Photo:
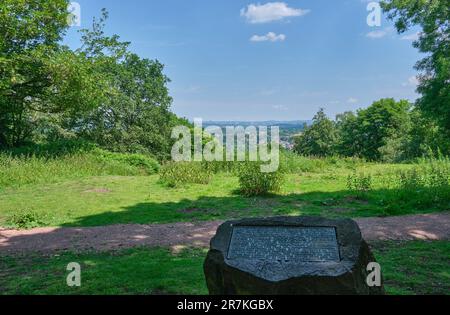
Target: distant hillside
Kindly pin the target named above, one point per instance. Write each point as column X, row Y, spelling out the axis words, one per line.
column 288, row 129
column 279, row 123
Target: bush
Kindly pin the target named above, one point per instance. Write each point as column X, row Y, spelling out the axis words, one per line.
column 428, row 182
column 427, row 174
column 253, row 182
column 424, row 185
column 219, row 166
column 360, row 184
column 25, row 220
column 176, row 174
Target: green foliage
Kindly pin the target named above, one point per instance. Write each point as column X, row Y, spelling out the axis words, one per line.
column 101, row 92
column 294, row 163
column 348, row 144
column 360, row 184
column 426, row 138
column 135, row 117
column 387, row 131
column 318, row 139
column 383, row 120
column 253, row 182
column 53, row 149
column 176, row 174
column 376, row 133
column 433, row 17
column 220, row 166
column 38, row 77
column 143, row 162
column 393, row 151
column 25, row 25
column 428, row 182
column 25, row 220
column 125, row 199
column 53, row 164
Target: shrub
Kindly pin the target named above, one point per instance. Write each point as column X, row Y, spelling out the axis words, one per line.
column 176, row 174
column 431, row 173
column 219, row 166
column 360, row 184
column 25, row 220
column 253, row 182
column 428, row 183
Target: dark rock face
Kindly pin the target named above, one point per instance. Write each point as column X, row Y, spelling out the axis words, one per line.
column 298, row 258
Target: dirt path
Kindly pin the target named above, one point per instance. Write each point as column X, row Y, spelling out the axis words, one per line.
column 180, row 235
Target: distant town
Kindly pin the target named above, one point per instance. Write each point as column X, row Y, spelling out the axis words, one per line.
column 288, row 129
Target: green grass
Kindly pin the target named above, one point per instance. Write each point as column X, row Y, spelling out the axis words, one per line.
column 93, row 187
column 23, row 170
column 409, row 268
column 135, row 271
column 415, row 267
column 105, row 200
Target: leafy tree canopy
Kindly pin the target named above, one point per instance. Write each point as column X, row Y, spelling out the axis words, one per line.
column 433, row 16
column 319, row 139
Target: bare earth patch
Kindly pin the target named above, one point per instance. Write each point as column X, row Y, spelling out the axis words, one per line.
column 181, row 235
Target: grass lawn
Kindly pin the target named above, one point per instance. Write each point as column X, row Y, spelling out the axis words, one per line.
column 409, row 268
column 105, row 200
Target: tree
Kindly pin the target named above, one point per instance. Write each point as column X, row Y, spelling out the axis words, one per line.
column 39, row 77
column 29, row 24
column 348, row 143
column 383, row 120
column 426, row 137
column 433, row 17
column 319, row 139
column 30, row 31
column 135, row 116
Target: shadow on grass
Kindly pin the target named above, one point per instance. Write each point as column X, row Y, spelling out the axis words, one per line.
column 338, row 204
column 193, row 222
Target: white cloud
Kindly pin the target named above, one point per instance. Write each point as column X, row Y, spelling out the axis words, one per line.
column 412, row 81
column 379, row 33
column 352, row 100
column 414, row 36
column 280, row 107
column 271, row 36
column 272, row 11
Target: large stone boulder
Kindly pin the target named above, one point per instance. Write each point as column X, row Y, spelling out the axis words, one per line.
column 289, row 255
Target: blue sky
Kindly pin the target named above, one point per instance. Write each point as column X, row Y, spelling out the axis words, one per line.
column 263, row 60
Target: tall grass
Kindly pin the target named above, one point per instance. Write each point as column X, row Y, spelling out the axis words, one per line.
column 176, row 174
column 295, row 163
column 22, row 170
column 428, row 182
column 423, row 185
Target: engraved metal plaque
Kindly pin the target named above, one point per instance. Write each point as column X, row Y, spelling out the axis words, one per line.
column 285, row 244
